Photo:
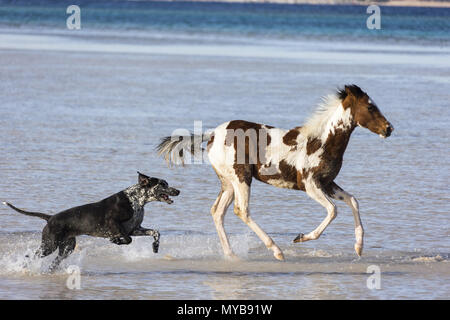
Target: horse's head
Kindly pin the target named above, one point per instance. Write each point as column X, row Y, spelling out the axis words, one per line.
column 364, row 111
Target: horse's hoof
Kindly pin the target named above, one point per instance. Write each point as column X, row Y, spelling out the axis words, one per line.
column 279, row 256
column 232, row 257
column 299, row 238
column 358, row 249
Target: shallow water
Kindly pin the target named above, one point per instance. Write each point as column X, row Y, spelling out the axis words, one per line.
column 80, row 114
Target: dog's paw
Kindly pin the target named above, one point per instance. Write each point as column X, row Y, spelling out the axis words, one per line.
column 115, row 240
column 155, row 246
column 121, row 240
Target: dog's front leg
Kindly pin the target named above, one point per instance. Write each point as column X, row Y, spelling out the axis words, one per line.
column 118, row 236
column 119, row 240
column 148, row 232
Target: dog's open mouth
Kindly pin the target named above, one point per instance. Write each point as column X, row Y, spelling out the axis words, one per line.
column 164, row 197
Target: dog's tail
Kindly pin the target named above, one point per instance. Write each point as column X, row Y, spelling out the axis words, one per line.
column 33, row 214
column 173, row 148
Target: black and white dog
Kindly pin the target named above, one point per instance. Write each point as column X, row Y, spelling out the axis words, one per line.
column 117, row 217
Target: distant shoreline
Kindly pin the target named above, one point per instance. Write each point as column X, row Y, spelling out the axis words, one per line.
column 390, row 3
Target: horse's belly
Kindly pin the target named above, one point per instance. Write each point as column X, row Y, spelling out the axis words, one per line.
column 284, row 176
column 280, row 183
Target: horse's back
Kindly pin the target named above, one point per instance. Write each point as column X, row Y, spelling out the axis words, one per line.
column 262, row 151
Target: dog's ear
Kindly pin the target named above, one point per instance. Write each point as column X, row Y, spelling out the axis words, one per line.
column 143, row 179
column 146, row 180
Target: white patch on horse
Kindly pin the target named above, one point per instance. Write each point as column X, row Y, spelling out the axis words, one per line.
column 220, row 154
column 340, row 119
column 281, row 183
column 327, row 118
column 275, row 152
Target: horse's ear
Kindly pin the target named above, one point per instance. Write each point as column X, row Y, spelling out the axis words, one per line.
column 348, row 90
column 342, row 94
column 354, row 91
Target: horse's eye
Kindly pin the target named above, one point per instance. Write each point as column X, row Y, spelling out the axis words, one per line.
column 371, row 107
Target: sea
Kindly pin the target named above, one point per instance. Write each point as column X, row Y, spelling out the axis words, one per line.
column 82, row 110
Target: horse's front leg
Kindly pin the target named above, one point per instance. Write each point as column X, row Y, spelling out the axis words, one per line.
column 314, row 190
column 338, row 193
column 140, row 231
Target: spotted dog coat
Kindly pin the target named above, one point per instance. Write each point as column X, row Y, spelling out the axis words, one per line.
column 117, row 217
column 306, row 158
column 137, row 197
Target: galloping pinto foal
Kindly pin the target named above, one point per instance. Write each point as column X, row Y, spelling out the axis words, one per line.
column 306, row 158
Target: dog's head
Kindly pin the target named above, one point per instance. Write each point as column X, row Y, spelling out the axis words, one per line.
column 156, row 189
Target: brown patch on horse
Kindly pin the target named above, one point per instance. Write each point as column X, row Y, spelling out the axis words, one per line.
column 288, row 173
column 332, row 188
column 244, row 172
column 332, row 156
column 268, row 138
column 210, row 143
column 313, row 145
column 253, row 154
column 246, row 125
column 290, row 138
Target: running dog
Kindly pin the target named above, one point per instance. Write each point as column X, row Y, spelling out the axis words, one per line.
column 117, row 217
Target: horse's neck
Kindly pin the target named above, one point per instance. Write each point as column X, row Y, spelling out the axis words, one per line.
column 333, row 132
column 336, row 143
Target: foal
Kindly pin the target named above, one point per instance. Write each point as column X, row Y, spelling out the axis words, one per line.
column 306, row 158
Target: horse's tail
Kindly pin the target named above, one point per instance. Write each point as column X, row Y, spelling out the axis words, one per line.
column 173, row 148
column 33, row 214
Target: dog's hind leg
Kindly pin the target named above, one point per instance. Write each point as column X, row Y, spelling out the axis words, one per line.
column 66, row 247
column 47, row 247
column 140, row 231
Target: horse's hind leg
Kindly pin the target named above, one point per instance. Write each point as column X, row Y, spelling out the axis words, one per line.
column 218, row 211
column 338, row 193
column 241, row 209
column 317, row 193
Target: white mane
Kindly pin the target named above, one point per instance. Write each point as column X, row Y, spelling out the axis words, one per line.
column 316, row 124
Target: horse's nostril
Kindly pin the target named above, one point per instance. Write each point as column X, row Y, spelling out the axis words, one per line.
column 389, row 129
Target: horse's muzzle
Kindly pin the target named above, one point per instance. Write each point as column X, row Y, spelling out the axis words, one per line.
column 388, row 130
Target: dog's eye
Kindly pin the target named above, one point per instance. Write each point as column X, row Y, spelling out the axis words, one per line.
column 371, row 107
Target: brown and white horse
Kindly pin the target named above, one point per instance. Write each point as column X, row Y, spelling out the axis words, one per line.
column 306, row 158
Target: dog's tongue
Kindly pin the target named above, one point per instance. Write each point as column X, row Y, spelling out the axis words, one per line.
column 167, row 199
